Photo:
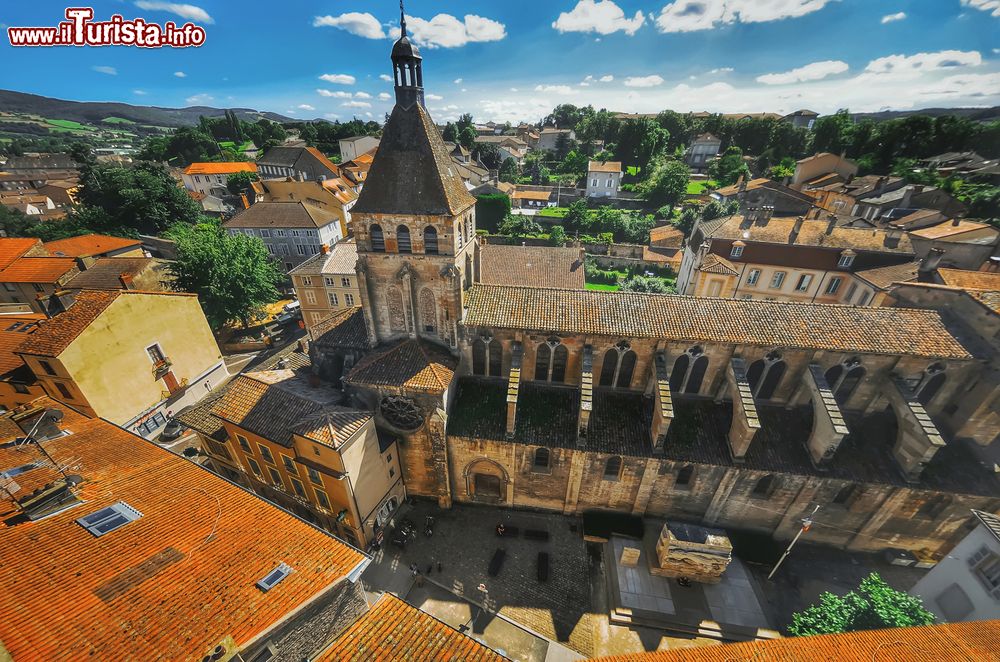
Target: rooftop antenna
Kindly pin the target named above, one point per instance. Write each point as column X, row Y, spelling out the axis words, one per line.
column 402, row 21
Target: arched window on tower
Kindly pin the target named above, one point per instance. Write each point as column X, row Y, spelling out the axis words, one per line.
column 397, row 313
column 430, row 240
column 403, row 243
column 378, row 238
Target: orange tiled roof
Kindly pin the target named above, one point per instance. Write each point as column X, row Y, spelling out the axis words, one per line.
column 55, row 335
column 13, row 330
column 407, row 365
column 694, row 319
column 38, row 270
column 813, row 232
column 393, row 630
column 883, row 277
column 226, row 168
column 170, row 585
column 12, row 248
column 951, row 229
column 970, row 280
column 89, row 245
column 716, row 264
column 666, row 236
column 977, row 641
column 514, row 265
column 604, row 166
column 321, row 157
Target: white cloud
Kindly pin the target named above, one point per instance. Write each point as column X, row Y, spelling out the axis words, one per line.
column 722, row 70
column 447, row 31
column 140, row 93
column 607, row 79
column 813, row 71
column 305, row 106
column 992, row 6
column 918, row 63
column 586, row 81
column 384, row 96
column 891, row 18
column 363, row 25
column 369, row 115
column 102, row 69
column 338, row 79
column 464, row 90
column 600, row 16
column 199, row 99
column 513, row 89
column 180, row 74
column 356, row 104
column 362, row 95
column 331, row 116
column 458, row 81
column 335, row 95
column 554, row 89
column 435, row 97
column 386, row 77
column 643, row 81
column 692, row 15
column 190, row 12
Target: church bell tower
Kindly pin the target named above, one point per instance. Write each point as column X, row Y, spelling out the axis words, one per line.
column 414, row 221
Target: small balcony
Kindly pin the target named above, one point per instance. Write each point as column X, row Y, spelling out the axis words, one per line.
column 161, row 367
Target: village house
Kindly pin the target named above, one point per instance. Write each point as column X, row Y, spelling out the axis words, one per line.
column 212, row 178
column 18, row 385
column 302, row 163
column 802, row 119
column 130, row 357
column 148, row 274
column 352, row 148
column 963, row 244
column 603, row 179
column 31, row 279
column 30, row 203
column 753, row 255
column 839, row 195
column 549, row 138
column 703, row 149
column 327, row 282
column 138, row 515
column 904, row 200
column 822, row 165
column 333, row 195
column 511, row 147
column 88, row 248
column 292, row 231
column 61, row 192
column 356, row 170
column 729, row 412
column 764, row 192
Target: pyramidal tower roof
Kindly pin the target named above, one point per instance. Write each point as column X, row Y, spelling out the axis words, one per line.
column 412, row 172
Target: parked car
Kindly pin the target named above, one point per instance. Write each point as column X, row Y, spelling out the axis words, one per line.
column 172, row 430
column 292, row 307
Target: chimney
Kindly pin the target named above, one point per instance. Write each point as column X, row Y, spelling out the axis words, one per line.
column 324, row 248
column 929, row 264
column 765, row 214
column 127, row 280
column 244, row 201
column 796, row 229
column 880, row 185
column 41, row 425
column 831, row 223
column 955, row 222
column 749, row 217
column 850, row 178
column 583, row 255
column 741, row 184
column 907, row 196
column 59, row 302
column 892, row 237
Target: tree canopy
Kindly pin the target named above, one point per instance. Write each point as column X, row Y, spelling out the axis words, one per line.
column 873, row 605
column 666, row 183
column 234, row 276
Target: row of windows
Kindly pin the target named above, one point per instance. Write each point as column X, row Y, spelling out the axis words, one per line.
column 275, row 477
column 404, row 243
column 805, row 280
column 267, row 234
column 300, row 249
column 329, row 281
column 844, row 261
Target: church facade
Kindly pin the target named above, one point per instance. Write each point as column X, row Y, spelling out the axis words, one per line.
column 733, row 413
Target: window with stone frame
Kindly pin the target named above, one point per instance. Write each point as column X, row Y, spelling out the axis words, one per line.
column 428, row 311
column 985, row 566
column 550, row 361
column 931, row 382
column 403, row 242
column 843, row 379
column 397, row 314
column 685, row 477
column 689, row 371
column 613, row 468
column 618, row 366
column 541, row 459
column 377, row 238
column 430, row 240
column 764, row 375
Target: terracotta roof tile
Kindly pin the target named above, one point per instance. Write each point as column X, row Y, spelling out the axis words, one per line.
column 970, row 280
column 38, row 270
column 950, row 229
column 170, row 585
column 764, row 182
column 13, row 248
column 283, row 215
column 666, row 236
column 393, row 630
column 14, row 329
column 106, row 272
column 407, row 365
column 343, row 329
column 55, row 335
column 90, row 245
column 737, row 321
column 604, row 166
column 548, row 265
column 226, row 168
column 977, row 641
column 883, row 277
column 340, row 260
column 716, row 264
column 332, row 426
column 814, row 232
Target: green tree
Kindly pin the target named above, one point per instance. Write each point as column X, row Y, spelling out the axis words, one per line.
column 785, row 168
column 467, row 137
column 557, row 235
column 574, row 163
column 491, row 210
column 833, row 133
column 687, row 220
column 233, row 275
column 187, row 145
column 666, row 183
column 450, row 133
column 509, row 171
column 874, row 605
column 639, row 141
column 729, row 168
column 81, row 153
column 488, row 154
column 519, row 225
column 578, row 217
column 142, row 198
column 564, row 116
column 646, row 284
column 238, row 182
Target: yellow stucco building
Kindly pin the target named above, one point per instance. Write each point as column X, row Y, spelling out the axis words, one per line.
column 130, row 357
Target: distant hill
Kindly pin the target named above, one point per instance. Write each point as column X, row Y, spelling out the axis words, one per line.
column 94, row 111
column 976, row 114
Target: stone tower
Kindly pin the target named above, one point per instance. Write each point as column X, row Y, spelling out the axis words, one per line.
column 414, row 221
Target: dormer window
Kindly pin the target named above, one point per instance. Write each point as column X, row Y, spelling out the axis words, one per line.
column 846, row 259
column 737, row 249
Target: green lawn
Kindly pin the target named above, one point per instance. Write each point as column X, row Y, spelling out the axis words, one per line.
column 601, row 288
column 554, row 212
column 632, row 170
column 68, row 124
column 117, row 120
column 695, row 188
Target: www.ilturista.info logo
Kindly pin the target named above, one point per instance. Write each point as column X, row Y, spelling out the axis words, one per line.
column 79, row 29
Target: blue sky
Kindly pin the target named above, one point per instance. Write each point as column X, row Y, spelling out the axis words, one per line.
column 514, row 60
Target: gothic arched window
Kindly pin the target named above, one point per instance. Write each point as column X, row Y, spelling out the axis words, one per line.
column 679, row 372
column 559, row 357
column 765, row 374
column 430, row 240
column 543, row 356
column 378, row 238
column 550, row 361
column 428, row 311
column 496, row 357
column 696, row 375
column 478, row 357
column 764, row 487
column 844, row 378
column 403, row 243
column 608, row 367
column 618, row 366
column 625, row 369
column 931, row 383
column 541, row 460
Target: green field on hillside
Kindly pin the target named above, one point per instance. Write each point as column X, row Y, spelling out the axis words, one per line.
column 117, row 120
